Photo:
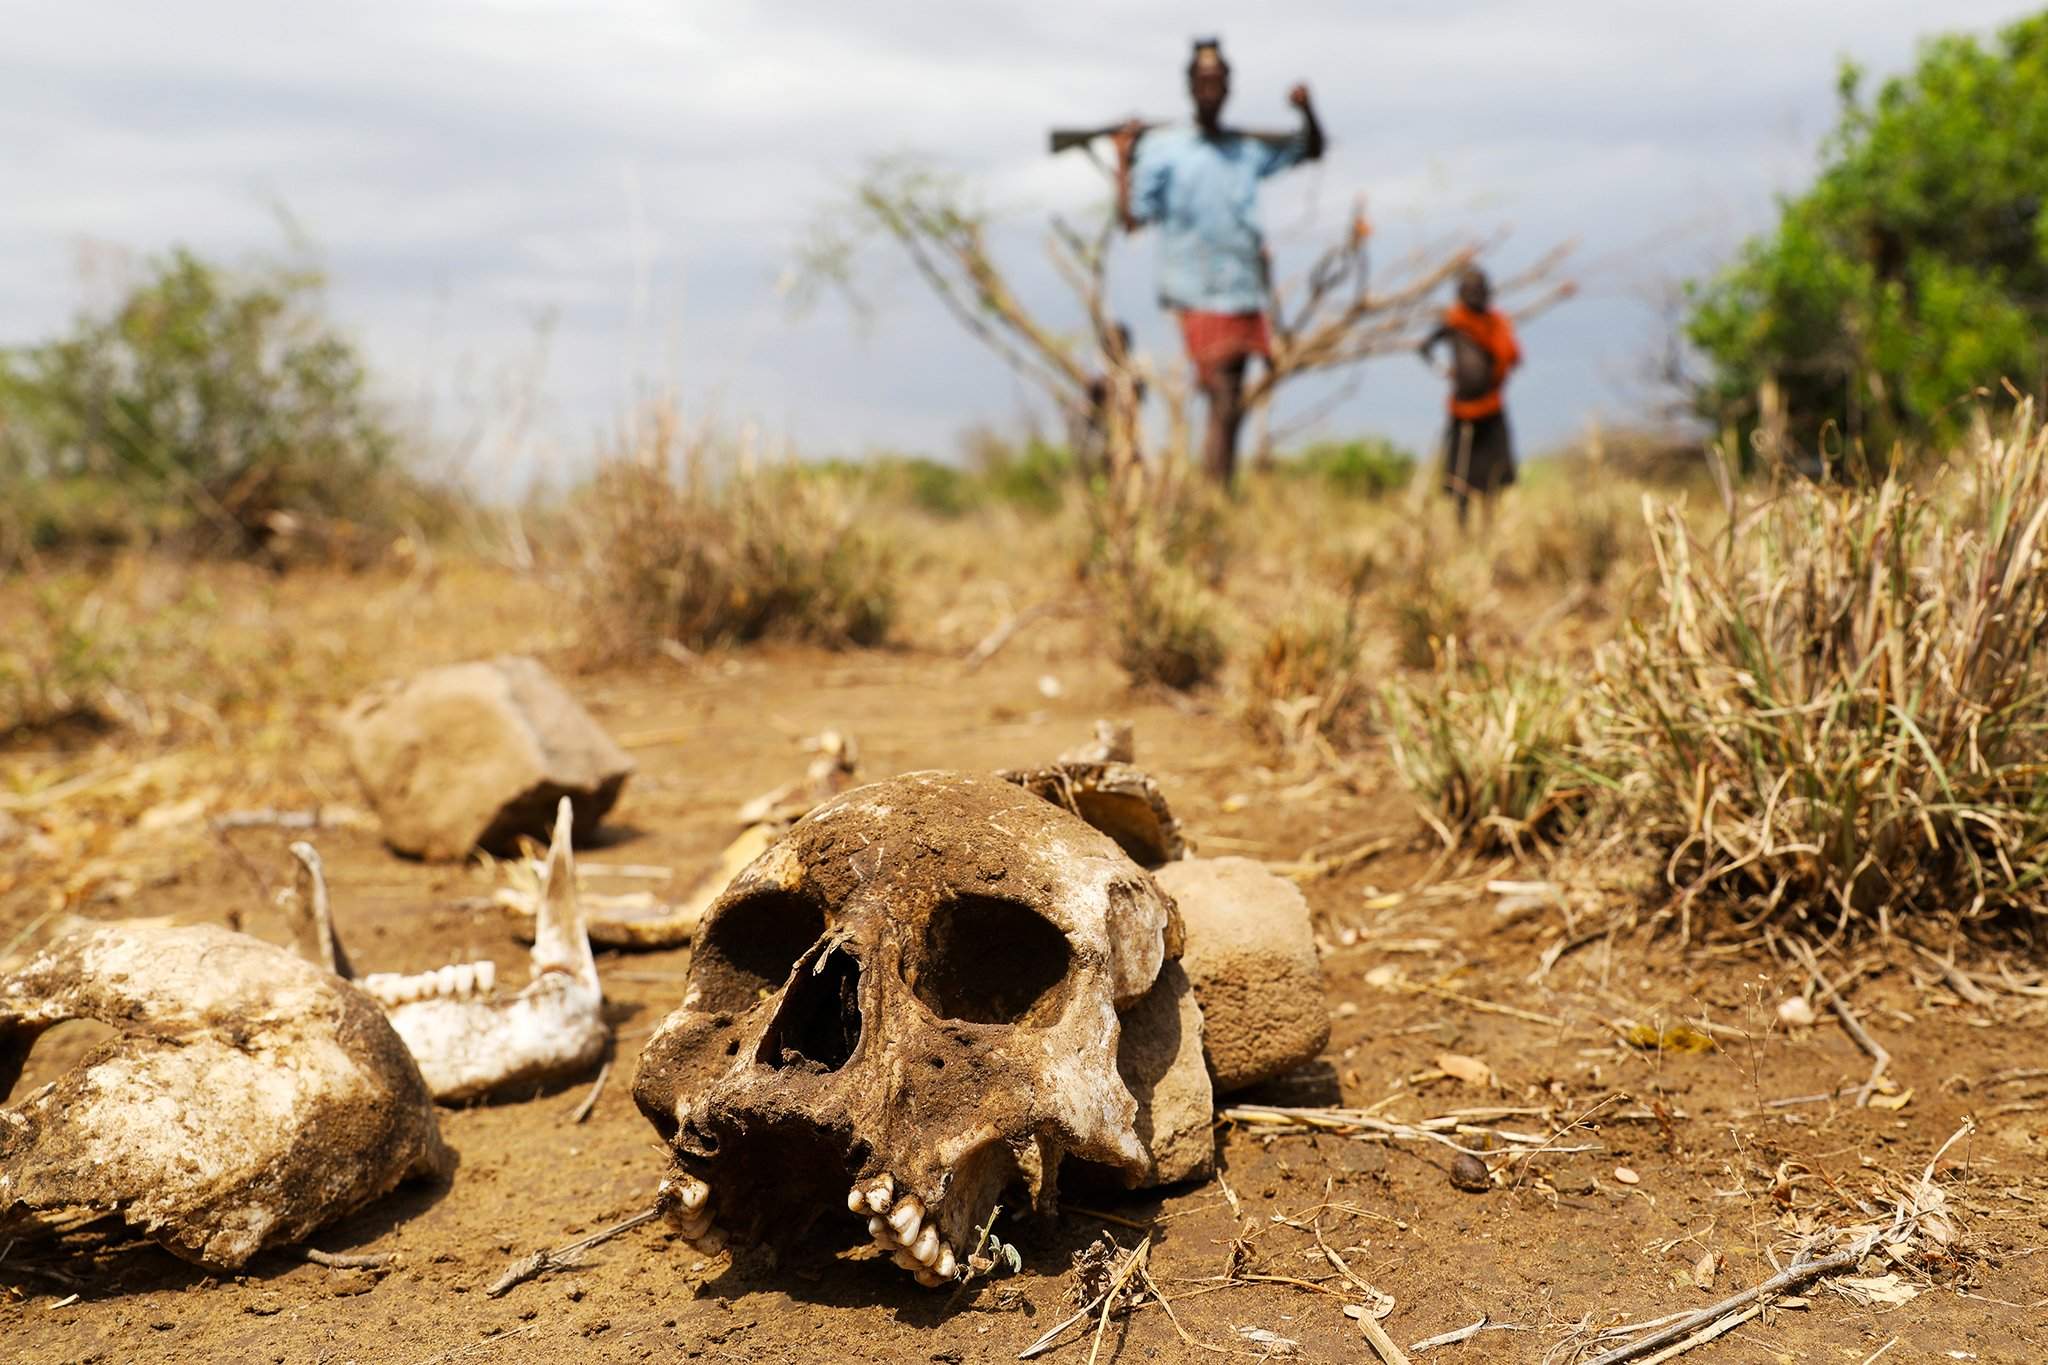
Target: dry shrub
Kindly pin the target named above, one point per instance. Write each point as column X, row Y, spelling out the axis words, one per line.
column 1309, row 677
column 1493, row 756
column 1163, row 619
column 673, row 550
column 1840, row 711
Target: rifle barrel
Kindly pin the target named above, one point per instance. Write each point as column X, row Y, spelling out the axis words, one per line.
column 1066, row 139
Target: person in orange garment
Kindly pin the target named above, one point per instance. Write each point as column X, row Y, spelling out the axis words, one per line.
column 1479, row 454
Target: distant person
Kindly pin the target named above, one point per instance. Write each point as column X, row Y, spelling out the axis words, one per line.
column 1200, row 186
column 1479, row 456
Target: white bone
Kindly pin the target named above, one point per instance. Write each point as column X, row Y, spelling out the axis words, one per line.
column 946, row 1266
column 926, row 1247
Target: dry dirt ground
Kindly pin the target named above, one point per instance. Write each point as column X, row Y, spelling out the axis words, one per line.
column 1736, row 1152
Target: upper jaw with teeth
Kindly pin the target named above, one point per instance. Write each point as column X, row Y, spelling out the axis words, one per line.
column 904, row 1008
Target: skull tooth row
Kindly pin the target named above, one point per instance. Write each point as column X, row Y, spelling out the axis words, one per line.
column 687, row 1204
column 899, row 1227
column 456, row 981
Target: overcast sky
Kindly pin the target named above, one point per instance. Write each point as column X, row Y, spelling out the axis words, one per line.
column 536, row 203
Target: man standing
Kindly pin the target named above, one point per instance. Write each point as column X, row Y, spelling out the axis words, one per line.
column 1200, row 186
column 1479, row 457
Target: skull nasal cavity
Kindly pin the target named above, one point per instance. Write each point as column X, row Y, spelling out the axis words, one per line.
column 818, row 1024
column 745, row 953
column 990, row 961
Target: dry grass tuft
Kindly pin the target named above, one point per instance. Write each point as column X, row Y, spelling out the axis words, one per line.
column 673, row 549
column 1493, row 756
column 1310, row 678
column 1840, row 711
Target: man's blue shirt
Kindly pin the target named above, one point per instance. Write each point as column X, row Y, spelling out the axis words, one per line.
column 1203, row 194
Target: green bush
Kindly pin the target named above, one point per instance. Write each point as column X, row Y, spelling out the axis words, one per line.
column 1912, row 272
column 1367, row 468
column 207, row 399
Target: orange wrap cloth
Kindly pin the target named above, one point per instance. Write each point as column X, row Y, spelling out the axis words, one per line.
column 1217, row 339
column 1495, row 335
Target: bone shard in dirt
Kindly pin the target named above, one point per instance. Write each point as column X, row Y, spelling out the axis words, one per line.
column 247, row 1098
column 904, row 1008
column 471, row 1040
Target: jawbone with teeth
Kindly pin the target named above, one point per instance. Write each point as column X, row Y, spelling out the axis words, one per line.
column 472, row 1041
column 903, row 1009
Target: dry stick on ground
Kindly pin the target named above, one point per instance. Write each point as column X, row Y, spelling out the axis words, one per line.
column 562, row 1257
column 1796, row 1274
column 1831, row 994
column 334, row 1260
column 1376, row 1337
column 1473, row 1002
column 992, row 643
column 582, row 1111
column 1359, row 1123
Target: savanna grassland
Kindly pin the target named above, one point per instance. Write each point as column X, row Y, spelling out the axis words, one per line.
column 1635, row 829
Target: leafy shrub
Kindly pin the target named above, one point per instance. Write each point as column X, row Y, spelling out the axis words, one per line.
column 673, row 550
column 937, row 489
column 1033, row 477
column 208, row 400
column 1367, row 468
column 1913, row 271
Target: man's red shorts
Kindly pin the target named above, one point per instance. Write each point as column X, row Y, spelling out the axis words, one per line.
column 1215, row 340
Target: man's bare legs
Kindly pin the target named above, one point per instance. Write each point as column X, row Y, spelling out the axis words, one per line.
column 1225, row 393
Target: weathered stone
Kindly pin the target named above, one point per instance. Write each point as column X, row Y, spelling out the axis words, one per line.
column 1159, row 1055
column 478, row 754
column 1251, row 954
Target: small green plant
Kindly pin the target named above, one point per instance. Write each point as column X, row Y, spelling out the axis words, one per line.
column 1493, row 756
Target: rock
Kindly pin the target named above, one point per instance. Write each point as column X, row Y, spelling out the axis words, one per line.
column 477, row 754
column 1251, row 955
column 1160, row 1059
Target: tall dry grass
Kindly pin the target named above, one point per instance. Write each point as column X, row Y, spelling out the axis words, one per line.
column 678, row 542
column 1837, row 710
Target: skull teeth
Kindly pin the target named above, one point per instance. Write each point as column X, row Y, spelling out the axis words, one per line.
column 687, row 1202
column 457, row 981
column 911, row 1239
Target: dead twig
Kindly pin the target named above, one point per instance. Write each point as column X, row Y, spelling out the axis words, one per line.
column 1798, row 1273
column 1377, row 1338
column 339, row 1260
column 562, row 1257
column 992, row 643
column 1473, row 1002
column 1105, row 1301
column 582, row 1111
column 1831, row 993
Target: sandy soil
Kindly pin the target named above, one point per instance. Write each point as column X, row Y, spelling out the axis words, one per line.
column 1728, row 1175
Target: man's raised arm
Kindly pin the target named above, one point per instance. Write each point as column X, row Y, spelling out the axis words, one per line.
column 1311, row 130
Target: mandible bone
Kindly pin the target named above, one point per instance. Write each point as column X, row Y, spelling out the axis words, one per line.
column 904, row 1007
column 471, row 1040
column 249, row 1097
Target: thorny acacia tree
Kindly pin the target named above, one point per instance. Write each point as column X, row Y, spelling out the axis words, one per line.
column 1333, row 318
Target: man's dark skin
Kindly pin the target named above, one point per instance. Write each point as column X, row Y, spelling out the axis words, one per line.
column 1209, row 87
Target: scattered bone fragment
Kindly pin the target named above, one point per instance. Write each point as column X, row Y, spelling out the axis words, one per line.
column 248, row 1098
column 1114, row 741
column 470, row 1039
column 636, row 920
column 1118, row 799
column 478, row 754
column 905, row 1008
column 830, row 773
column 1251, row 954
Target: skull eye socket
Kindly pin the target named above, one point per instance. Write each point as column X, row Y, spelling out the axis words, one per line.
column 991, row 961
column 748, row 948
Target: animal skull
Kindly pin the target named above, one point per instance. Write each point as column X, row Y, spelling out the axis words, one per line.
column 906, row 1005
column 249, row 1098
